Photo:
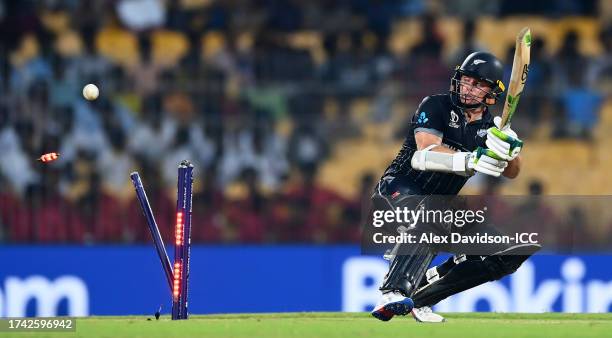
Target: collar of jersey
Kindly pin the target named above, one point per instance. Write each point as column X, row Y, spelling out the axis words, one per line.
column 486, row 117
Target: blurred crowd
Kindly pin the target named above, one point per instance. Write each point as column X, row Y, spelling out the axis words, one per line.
column 230, row 86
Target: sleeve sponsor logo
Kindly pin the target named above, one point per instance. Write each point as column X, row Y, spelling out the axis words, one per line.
column 422, row 118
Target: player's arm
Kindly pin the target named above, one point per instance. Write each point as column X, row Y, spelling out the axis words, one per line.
column 513, row 169
column 429, row 127
column 432, row 155
column 424, row 139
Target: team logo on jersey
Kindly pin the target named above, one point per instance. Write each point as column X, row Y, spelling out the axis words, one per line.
column 478, row 61
column 422, row 118
column 481, row 132
column 454, row 120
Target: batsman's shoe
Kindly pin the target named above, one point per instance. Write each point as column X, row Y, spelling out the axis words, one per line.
column 425, row 315
column 392, row 304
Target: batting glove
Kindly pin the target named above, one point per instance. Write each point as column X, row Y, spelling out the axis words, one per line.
column 503, row 141
column 486, row 161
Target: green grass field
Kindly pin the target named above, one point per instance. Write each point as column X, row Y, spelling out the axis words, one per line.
column 321, row 325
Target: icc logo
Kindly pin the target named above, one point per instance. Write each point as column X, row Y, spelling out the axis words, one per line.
column 454, row 119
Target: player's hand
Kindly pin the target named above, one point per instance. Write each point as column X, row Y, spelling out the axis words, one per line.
column 487, row 162
column 503, row 141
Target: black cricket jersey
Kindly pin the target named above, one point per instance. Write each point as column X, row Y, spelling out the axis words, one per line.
column 439, row 116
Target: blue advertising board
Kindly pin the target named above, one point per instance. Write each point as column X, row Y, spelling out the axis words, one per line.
column 120, row 280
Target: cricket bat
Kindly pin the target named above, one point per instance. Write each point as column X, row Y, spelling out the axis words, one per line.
column 520, row 68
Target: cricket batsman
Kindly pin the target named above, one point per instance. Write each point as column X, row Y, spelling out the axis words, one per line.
column 452, row 136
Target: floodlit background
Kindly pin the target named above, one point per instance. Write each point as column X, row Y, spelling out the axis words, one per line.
column 290, row 111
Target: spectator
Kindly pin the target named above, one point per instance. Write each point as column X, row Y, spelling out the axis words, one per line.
column 569, row 63
column 266, row 154
column 105, row 217
column 145, row 74
column 314, row 211
column 209, row 220
column 600, row 73
column 470, row 9
column 183, row 148
column 306, row 148
column 578, row 103
column 113, row 164
column 248, row 215
column 425, row 69
column 581, row 106
column 62, row 91
column 469, row 44
column 8, row 205
column 139, row 15
column 155, row 132
column 15, row 166
column 52, row 218
column 30, row 64
column 89, row 66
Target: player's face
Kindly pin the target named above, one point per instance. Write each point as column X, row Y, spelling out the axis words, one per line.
column 473, row 91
